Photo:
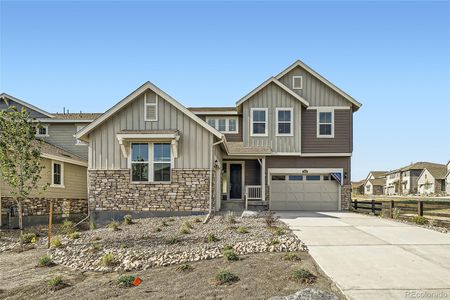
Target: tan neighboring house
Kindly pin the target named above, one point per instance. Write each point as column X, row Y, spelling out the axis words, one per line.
column 375, row 182
column 65, row 161
column 432, row 180
column 358, row 187
column 286, row 145
column 447, row 179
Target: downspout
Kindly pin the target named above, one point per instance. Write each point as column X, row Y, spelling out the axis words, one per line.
column 210, row 213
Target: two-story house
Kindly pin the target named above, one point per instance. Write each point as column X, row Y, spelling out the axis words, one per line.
column 375, row 182
column 65, row 166
column 432, row 180
column 286, row 145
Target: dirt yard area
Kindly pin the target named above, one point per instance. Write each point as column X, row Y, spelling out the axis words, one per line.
column 261, row 276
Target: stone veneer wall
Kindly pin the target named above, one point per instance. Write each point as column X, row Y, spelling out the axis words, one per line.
column 41, row 206
column 346, row 196
column 112, row 190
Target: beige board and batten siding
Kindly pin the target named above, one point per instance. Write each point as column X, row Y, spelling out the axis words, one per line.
column 272, row 97
column 75, row 183
column 62, row 135
column 313, row 90
column 342, row 142
column 193, row 147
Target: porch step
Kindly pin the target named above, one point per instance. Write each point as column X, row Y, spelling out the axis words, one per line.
column 232, row 206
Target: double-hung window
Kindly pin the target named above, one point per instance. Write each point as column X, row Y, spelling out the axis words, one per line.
column 151, row 162
column 57, row 174
column 284, row 121
column 258, row 121
column 151, row 107
column 42, row 130
column 325, row 123
column 224, row 125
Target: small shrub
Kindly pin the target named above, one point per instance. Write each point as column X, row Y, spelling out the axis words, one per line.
column 173, row 241
column 188, row 225
column 184, row 230
column 108, row 259
column 270, row 219
column 230, row 218
column 396, row 212
column 242, row 229
column 420, row 220
column 113, row 226
column 56, row 242
column 92, row 225
column 197, row 220
column 55, row 281
column 226, row 277
column 228, row 247
column 277, row 230
column 303, row 276
column 230, row 255
column 67, row 227
column 164, row 223
column 28, row 238
column 274, row 242
column 95, row 247
column 128, row 220
column 158, row 229
column 74, row 235
column 126, row 280
column 291, row 256
column 211, row 238
column 185, row 268
column 45, row 261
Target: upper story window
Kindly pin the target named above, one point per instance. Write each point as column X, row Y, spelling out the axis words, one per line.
column 151, row 162
column 224, row 125
column 151, row 108
column 368, row 188
column 258, row 121
column 284, row 121
column 297, row 82
column 325, row 123
column 42, row 131
column 57, row 174
column 80, row 142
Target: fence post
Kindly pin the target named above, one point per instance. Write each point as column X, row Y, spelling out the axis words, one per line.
column 50, row 222
column 391, row 209
column 373, row 206
column 420, row 208
column 356, row 204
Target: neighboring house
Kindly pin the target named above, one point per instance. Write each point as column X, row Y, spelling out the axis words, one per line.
column 287, row 145
column 374, row 183
column 65, row 161
column 447, row 179
column 358, row 187
column 404, row 181
column 432, row 180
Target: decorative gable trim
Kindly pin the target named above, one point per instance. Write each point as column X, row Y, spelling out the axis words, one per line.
column 278, row 83
column 82, row 135
column 301, row 64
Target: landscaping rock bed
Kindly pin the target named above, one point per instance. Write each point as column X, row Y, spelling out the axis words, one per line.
column 160, row 242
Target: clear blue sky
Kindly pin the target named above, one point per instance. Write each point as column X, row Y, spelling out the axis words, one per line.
column 392, row 57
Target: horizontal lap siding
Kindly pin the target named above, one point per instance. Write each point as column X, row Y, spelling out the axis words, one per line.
column 342, row 141
column 62, row 135
column 193, row 147
column 33, row 113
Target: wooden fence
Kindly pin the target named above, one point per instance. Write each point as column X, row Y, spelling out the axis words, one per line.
column 432, row 209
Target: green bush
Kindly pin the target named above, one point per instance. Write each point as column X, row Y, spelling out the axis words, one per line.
column 188, row 225
column 226, row 277
column 56, row 242
column 228, row 247
column 113, row 226
column 420, row 220
column 185, row 268
column 126, row 280
column 396, row 212
column 45, row 261
column 56, row 283
column 108, row 259
column 128, row 220
column 211, row 238
column 184, row 230
column 92, row 225
column 28, row 238
column 303, row 276
column 242, row 229
column 291, row 256
column 74, row 235
column 274, row 242
column 277, row 230
column 67, row 227
column 173, row 241
column 230, row 255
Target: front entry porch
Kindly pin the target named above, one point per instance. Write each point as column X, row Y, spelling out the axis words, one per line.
column 243, row 184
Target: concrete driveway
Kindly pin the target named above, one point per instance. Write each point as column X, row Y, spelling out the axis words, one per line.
column 373, row 258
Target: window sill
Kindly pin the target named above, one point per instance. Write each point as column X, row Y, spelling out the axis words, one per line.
column 325, row 136
column 259, row 135
column 288, row 135
column 57, row 186
column 151, row 183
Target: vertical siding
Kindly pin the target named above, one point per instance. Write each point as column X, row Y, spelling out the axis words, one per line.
column 342, row 141
column 314, row 91
column 193, row 147
column 271, row 97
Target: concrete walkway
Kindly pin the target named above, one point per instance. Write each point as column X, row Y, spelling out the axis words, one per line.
column 373, row 258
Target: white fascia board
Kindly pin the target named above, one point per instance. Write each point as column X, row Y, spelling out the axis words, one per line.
column 42, row 120
column 64, row 159
column 325, row 154
column 146, row 136
column 215, row 113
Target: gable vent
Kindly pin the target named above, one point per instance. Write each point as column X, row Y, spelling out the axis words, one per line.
column 151, row 108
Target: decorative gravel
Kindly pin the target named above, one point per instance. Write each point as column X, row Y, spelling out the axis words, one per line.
column 150, row 242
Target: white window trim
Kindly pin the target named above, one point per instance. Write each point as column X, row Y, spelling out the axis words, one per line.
column 291, row 109
column 80, row 142
column 150, row 104
column 46, row 130
column 150, row 163
column 293, row 83
column 266, row 110
column 320, row 110
column 227, row 123
column 62, row 175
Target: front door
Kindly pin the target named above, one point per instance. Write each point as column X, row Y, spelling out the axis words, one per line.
column 235, row 181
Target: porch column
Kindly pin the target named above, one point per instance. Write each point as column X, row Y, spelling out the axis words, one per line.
column 263, row 178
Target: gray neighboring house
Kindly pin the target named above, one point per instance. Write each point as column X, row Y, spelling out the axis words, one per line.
column 375, row 182
column 286, row 145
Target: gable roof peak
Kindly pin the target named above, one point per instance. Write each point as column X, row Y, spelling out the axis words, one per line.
column 26, row 104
